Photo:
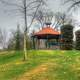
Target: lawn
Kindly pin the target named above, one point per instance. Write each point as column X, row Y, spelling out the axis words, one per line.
column 41, row 65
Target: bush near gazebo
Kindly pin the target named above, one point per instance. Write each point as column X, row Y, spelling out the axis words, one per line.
column 77, row 40
column 67, row 37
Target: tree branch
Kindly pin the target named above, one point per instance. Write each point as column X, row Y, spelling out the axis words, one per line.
column 34, row 15
column 75, row 4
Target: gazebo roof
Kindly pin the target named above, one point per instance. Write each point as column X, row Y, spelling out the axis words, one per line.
column 47, row 31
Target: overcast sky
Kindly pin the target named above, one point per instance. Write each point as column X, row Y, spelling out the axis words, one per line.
column 9, row 20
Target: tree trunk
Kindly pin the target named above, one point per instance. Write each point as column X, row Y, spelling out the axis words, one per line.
column 25, row 31
column 25, row 47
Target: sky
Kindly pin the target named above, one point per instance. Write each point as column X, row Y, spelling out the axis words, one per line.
column 9, row 19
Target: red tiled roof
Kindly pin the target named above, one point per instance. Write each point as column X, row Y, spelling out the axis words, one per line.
column 47, row 30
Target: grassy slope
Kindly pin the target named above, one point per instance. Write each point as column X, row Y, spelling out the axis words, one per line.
column 66, row 65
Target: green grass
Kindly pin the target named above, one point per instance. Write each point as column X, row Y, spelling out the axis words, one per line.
column 62, row 65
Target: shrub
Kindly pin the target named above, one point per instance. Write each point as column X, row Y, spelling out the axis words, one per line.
column 77, row 47
column 67, row 37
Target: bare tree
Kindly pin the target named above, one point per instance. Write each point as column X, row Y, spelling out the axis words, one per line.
column 74, row 3
column 25, row 8
column 61, row 19
column 73, row 6
column 44, row 15
column 3, row 38
column 39, row 17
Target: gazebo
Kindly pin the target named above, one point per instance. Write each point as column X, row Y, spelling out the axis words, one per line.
column 50, row 37
column 47, row 37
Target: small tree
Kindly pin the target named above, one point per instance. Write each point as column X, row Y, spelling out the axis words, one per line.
column 67, row 37
column 17, row 37
column 77, row 40
column 16, row 40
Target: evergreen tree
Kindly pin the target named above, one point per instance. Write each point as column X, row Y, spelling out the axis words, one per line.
column 17, row 37
column 67, row 37
column 16, row 40
column 77, row 40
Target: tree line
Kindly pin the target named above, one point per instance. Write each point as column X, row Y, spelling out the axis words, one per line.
column 15, row 41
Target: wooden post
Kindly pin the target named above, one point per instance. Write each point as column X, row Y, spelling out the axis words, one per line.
column 47, row 41
column 36, row 43
column 33, row 39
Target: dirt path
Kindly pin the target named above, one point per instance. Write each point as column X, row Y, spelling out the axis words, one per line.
column 41, row 68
